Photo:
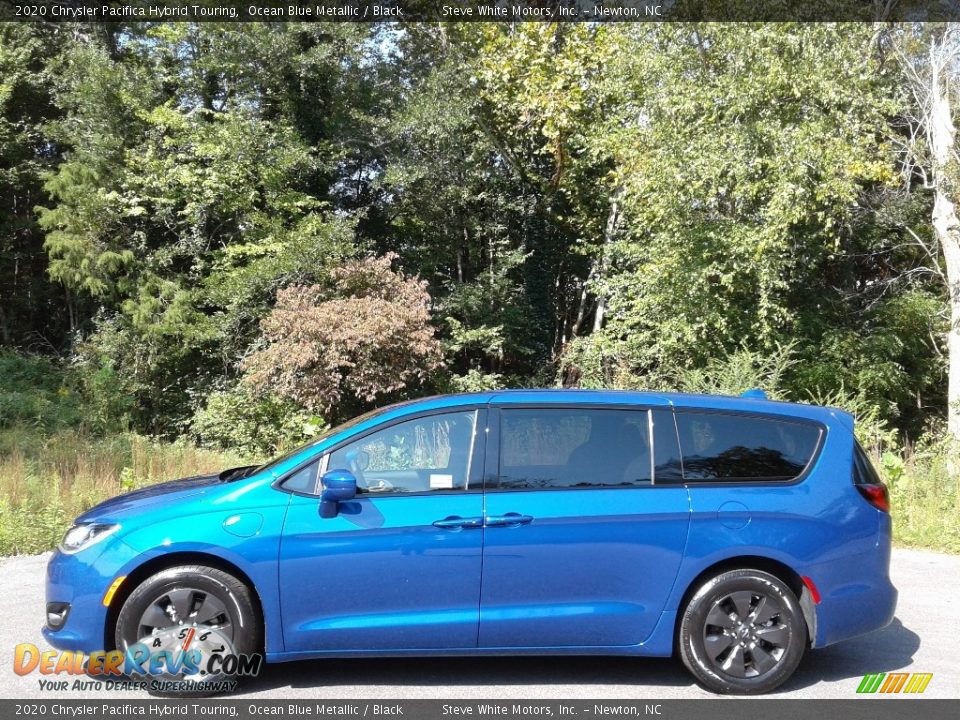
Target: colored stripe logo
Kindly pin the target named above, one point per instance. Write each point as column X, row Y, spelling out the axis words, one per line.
column 894, row 683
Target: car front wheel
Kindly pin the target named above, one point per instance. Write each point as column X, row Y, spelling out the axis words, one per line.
column 742, row 633
column 191, row 609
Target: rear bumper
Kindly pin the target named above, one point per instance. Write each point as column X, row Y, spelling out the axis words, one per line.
column 857, row 596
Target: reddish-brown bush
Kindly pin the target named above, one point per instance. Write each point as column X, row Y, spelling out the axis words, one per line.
column 366, row 334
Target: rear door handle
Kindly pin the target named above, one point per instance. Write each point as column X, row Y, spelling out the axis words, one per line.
column 455, row 522
column 508, row 520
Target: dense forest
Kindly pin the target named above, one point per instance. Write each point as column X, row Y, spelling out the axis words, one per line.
column 239, row 233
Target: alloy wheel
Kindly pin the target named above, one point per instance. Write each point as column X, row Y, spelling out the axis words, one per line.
column 184, row 607
column 745, row 634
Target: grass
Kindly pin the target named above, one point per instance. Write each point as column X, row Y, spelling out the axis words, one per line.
column 48, row 479
column 925, row 501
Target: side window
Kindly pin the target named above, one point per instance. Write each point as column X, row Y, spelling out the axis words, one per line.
column 574, row 448
column 426, row 454
column 737, row 447
column 303, row 480
column 863, row 470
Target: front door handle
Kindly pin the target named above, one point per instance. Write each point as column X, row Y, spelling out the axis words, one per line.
column 455, row 522
column 508, row 520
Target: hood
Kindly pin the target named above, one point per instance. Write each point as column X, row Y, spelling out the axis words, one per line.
column 162, row 493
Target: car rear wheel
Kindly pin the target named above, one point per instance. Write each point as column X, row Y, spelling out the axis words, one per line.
column 742, row 633
column 190, row 608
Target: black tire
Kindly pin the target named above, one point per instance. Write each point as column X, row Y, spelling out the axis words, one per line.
column 213, row 597
column 742, row 633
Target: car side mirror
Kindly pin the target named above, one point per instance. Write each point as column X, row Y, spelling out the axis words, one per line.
column 338, row 486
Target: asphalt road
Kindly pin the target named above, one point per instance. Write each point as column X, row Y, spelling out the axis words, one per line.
column 922, row 638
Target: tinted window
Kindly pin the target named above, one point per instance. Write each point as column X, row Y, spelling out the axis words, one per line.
column 737, row 447
column 426, row 454
column 863, row 470
column 568, row 448
column 303, row 480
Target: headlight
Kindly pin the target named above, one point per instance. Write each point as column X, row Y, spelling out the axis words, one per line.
column 82, row 536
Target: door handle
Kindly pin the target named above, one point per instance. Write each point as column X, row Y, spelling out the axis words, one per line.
column 455, row 522
column 508, row 520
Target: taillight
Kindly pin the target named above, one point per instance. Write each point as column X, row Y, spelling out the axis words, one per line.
column 868, row 482
column 876, row 494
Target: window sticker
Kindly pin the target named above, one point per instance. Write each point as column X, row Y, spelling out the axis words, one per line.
column 441, row 481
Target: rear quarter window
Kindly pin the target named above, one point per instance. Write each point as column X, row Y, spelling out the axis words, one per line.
column 728, row 447
column 863, row 470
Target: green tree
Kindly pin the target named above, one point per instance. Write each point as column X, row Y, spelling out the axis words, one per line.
column 757, row 194
column 459, row 215
column 30, row 305
column 203, row 174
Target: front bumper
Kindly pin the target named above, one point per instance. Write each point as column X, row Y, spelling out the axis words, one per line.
column 80, row 582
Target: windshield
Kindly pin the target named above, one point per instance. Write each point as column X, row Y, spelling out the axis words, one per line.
column 319, row 438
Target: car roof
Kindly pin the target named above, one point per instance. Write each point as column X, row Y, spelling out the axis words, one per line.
column 629, row 397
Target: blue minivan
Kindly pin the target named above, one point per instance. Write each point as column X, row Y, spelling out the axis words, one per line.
column 735, row 532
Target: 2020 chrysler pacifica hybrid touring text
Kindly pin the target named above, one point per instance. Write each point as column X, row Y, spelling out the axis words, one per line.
column 737, row 532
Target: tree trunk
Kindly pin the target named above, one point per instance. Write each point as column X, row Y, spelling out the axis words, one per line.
column 71, row 314
column 947, row 227
column 941, row 132
column 609, row 233
column 581, row 306
column 5, row 328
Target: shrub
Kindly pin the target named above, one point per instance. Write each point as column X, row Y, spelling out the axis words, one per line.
column 365, row 336
column 36, row 392
column 925, row 501
column 739, row 371
column 252, row 424
column 474, row 381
